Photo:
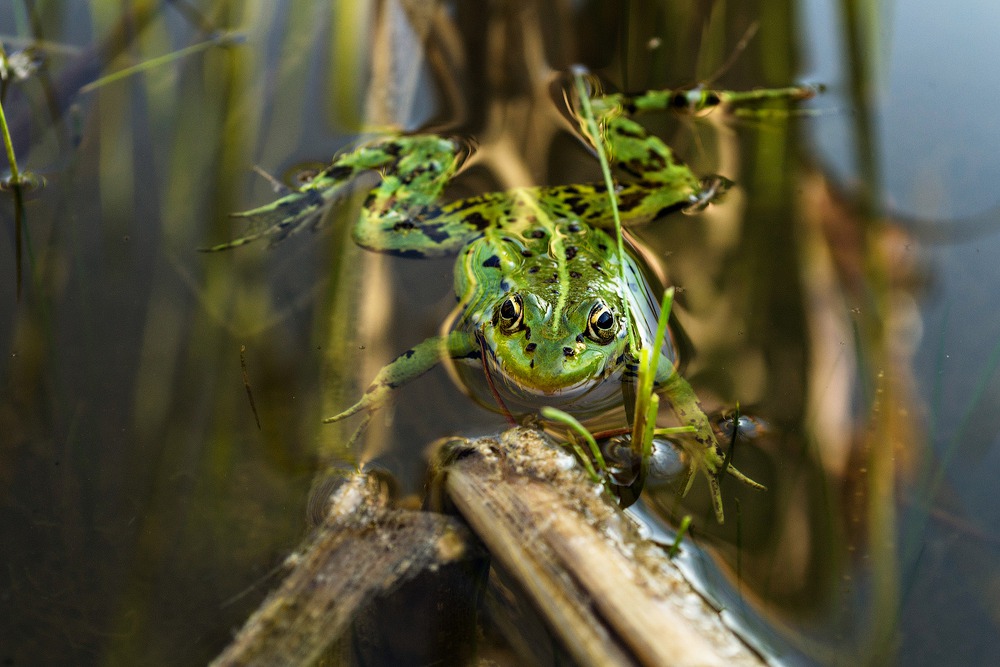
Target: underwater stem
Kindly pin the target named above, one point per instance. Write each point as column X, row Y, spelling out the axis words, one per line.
column 15, row 175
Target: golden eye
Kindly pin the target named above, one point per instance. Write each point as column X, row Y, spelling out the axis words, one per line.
column 509, row 314
column 601, row 324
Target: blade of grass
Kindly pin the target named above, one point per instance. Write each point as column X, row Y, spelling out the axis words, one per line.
column 558, row 415
column 588, row 114
column 222, row 39
column 15, row 174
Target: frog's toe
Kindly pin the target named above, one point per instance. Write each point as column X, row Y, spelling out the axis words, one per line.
column 353, row 410
column 709, row 464
column 743, row 478
column 716, row 491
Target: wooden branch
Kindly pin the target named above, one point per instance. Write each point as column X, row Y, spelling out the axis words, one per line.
column 612, row 597
column 361, row 550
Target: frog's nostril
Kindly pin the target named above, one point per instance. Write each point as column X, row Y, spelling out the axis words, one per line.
column 530, row 347
column 568, row 352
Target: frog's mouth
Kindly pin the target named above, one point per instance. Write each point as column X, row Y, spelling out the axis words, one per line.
column 533, row 390
column 525, row 385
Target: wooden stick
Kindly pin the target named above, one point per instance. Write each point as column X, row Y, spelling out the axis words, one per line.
column 612, row 597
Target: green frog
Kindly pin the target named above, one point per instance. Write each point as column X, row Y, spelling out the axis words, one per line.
column 549, row 312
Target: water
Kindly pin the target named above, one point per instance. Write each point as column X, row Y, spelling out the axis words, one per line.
column 843, row 294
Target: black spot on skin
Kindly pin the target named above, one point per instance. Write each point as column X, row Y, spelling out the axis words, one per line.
column 571, row 190
column 411, row 254
column 533, row 269
column 408, row 354
column 579, row 338
column 339, row 172
column 570, row 252
column 623, row 131
column 603, row 247
column 477, row 220
column 573, row 228
column 596, row 266
column 554, row 278
column 575, row 275
column 631, row 200
column 669, row 209
column 532, row 364
column 527, row 333
column 435, row 232
column 530, row 347
column 536, row 233
column 527, row 253
column 568, row 352
column 307, row 199
column 412, row 175
column 492, row 262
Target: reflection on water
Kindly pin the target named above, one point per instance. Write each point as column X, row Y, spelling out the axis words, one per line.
column 842, row 293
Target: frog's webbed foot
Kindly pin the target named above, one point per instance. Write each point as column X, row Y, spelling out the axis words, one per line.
column 279, row 220
column 306, row 206
column 712, row 189
column 710, row 462
column 298, row 209
column 408, row 366
column 701, row 447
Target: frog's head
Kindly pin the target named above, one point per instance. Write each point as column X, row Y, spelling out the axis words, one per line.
column 535, row 350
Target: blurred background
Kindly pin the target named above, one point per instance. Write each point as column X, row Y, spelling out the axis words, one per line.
column 842, row 294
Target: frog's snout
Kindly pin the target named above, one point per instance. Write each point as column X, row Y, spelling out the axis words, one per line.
column 554, row 366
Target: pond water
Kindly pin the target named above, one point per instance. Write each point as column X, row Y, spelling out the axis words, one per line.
column 842, row 294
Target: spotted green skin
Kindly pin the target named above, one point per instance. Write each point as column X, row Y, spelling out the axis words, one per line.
column 544, row 313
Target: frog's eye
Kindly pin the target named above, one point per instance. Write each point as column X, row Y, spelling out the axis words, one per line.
column 509, row 314
column 601, row 324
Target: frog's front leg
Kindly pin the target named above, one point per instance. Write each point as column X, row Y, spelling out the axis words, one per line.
column 408, row 366
column 703, row 450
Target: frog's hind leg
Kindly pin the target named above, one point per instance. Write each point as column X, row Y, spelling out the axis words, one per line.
column 404, row 215
column 413, row 170
column 699, row 100
column 406, row 227
column 661, row 183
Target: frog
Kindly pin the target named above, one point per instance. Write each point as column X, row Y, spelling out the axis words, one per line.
column 551, row 309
